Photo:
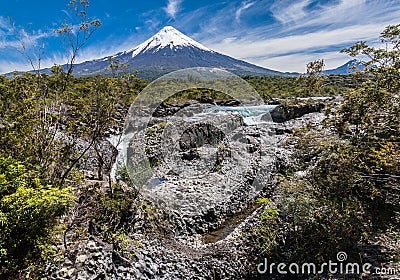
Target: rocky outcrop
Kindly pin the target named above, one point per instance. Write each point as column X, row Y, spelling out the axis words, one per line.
column 210, row 170
column 155, row 258
column 203, row 133
column 165, row 109
column 285, row 112
column 199, row 135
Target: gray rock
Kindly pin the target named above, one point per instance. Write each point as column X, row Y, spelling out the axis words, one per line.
column 284, row 112
column 247, row 156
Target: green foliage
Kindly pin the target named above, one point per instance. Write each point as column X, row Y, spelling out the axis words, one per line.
column 288, row 87
column 348, row 192
column 264, row 200
column 162, row 125
column 197, row 94
column 117, row 68
column 267, row 87
column 264, row 234
column 151, row 131
column 369, row 117
column 318, row 225
column 382, row 63
column 28, row 210
column 122, row 173
column 117, row 213
column 43, row 119
column 313, row 80
column 41, row 125
column 112, row 210
column 76, row 34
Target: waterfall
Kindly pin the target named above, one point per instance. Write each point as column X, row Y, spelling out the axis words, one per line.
column 252, row 115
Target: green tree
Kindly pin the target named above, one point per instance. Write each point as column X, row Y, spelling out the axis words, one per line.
column 313, row 80
column 37, row 148
column 350, row 188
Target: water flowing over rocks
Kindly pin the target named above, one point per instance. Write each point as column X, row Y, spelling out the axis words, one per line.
column 207, row 169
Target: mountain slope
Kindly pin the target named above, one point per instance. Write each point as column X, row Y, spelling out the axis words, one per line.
column 348, row 68
column 170, row 50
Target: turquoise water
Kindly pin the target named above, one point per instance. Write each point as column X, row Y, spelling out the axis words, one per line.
column 251, row 114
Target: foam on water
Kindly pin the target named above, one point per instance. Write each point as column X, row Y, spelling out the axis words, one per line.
column 252, row 115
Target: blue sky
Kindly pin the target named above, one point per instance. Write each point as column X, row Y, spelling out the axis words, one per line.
column 278, row 34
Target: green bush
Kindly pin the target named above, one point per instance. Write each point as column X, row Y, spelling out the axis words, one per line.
column 316, row 226
column 347, row 190
column 267, row 228
column 28, row 211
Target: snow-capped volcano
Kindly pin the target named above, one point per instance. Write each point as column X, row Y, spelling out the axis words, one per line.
column 167, row 37
column 169, row 50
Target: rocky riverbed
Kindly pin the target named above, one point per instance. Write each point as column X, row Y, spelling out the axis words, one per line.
column 207, row 172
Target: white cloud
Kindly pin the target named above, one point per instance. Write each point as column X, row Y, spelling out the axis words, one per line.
column 229, row 40
column 345, row 12
column 297, row 62
column 262, row 51
column 7, row 65
column 304, row 31
column 173, row 7
column 289, row 11
column 88, row 53
column 250, row 47
column 152, row 24
column 12, row 36
column 9, row 44
column 244, row 6
column 339, row 14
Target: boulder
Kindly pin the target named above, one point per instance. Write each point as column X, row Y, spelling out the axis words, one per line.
column 199, row 135
column 285, row 112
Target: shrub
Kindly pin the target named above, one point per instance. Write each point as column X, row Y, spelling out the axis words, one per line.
column 28, row 211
